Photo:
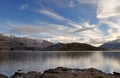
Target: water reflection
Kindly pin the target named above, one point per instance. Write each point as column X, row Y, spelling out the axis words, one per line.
column 10, row 62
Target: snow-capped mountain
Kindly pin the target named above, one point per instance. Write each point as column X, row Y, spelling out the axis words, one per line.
column 21, row 43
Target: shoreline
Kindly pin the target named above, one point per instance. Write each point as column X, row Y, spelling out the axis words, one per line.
column 62, row 72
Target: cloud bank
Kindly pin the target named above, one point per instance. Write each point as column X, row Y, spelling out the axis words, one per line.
column 108, row 8
column 63, row 27
column 109, row 13
column 24, row 6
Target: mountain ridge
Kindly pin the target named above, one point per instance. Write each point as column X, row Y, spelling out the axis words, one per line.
column 21, row 43
column 72, row 47
column 111, row 45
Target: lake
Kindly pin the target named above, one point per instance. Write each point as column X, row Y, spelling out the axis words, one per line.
column 10, row 62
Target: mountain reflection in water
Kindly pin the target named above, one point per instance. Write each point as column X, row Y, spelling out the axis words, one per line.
column 10, row 62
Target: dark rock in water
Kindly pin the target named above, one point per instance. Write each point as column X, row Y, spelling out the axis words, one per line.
column 116, row 73
column 3, row 76
column 31, row 74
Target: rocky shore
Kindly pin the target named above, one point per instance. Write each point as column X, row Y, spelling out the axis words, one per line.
column 62, row 72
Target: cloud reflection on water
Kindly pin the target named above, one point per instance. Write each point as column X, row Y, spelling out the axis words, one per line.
column 96, row 60
column 40, row 61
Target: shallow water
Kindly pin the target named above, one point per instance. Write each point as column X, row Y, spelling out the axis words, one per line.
column 10, row 62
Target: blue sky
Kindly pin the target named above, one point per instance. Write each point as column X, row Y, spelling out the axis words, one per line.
column 84, row 21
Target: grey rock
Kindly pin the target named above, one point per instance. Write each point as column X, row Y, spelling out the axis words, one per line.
column 3, row 76
column 116, row 73
column 31, row 74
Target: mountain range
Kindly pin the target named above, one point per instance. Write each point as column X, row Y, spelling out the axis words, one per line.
column 112, row 45
column 21, row 43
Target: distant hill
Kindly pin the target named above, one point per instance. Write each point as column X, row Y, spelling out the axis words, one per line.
column 18, row 43
column 72, row 47
column 112, row 45
column 21, row 43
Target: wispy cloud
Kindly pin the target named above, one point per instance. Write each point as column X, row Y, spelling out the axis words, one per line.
column 24, row 6
column 72, row 4
column 56, row 32
column 30, row 29
column 79, row 27
column 55, row 3
column 63, row 39
column 108, row 13
column 83, row 29
column 68, row 21
column 51, row 14
column 88, row 1
column 59, row 17
column 108, row 8
column 40, row 28
column 70, row 30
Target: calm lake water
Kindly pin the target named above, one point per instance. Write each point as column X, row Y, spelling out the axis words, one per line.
column 10, row 62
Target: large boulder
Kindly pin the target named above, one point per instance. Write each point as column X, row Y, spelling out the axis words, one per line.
column 3, row 76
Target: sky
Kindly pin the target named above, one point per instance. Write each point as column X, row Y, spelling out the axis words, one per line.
column 85, row 21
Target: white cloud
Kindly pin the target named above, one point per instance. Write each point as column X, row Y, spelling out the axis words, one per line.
column 24, row 6
column 58, row 33
column 56, row 16
column 63, row 39
column 61, row 18
column 88, row 1
column 108, row 8
column 91, row 36
column 51, row 14
column 43, row 28
column 83, row 27
column 108, row 13
column 114, row 29
column 72, row 4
